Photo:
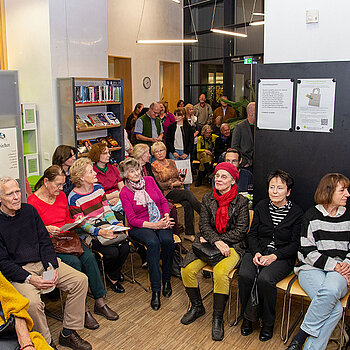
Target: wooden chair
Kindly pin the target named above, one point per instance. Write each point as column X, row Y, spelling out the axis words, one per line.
column 291, row 287
column 99, row 258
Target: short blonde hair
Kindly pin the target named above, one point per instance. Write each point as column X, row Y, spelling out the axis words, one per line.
column 78, row 170
column 126, row 165
column 139, row 150
column 188, row 106
column 206, row 128
column 157, row 146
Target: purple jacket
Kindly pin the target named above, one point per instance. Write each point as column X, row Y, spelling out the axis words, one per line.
column 168, row 119
column 137, row 214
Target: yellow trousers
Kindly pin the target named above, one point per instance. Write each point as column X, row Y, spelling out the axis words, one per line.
column 221, row 272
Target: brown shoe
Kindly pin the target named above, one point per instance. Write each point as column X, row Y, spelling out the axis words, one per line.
column 90, row 322
column 106, row 311
column 74, row 341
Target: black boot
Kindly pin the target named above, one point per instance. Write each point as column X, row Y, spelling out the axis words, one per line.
column 200, row 177
column 197, row 308
column 218, row 316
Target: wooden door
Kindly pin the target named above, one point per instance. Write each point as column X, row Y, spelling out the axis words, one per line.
column 120, row 67
column 169, row 73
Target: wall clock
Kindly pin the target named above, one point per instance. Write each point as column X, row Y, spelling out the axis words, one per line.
column 146, row 82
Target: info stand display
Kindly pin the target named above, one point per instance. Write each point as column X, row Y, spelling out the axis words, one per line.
column 306, row 155
column 85, row 99
column 11, row 141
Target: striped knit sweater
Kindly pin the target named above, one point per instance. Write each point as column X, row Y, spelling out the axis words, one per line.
column 324, row 240
column 94, row 205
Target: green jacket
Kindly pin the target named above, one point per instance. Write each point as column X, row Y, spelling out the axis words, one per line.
column 147, row 128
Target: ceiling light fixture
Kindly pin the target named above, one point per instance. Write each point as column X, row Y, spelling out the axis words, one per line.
column 167, row 41
column 227, row 32
column 257, row 13
column 257, row 23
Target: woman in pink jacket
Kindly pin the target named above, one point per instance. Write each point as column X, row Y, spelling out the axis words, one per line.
column 147, row 212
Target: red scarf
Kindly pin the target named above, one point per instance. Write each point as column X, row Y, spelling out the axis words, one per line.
column 222, row 213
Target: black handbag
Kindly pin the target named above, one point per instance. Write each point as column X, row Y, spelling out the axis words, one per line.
column 252, row 310
column 8, row 336
column 207, row 253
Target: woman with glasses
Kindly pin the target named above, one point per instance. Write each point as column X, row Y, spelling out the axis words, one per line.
column 51, row 204
column 64, row 156
column 171, row 183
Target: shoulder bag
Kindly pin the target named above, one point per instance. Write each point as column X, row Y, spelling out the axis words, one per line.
column 207, row 253
column 107, row 241
column 68, row 243
column 8, row 336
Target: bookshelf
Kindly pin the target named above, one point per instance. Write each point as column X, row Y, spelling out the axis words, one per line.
column 90, row 98
column 30, row 139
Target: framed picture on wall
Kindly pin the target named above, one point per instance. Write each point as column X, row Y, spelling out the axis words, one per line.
column 28, row 116
column 31, row 164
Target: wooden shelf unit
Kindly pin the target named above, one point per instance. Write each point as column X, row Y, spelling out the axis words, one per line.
column 68, row 108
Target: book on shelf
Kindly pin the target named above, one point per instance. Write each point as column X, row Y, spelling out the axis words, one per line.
column 111, row 117
column 95, row 120
column 87, row 121
column 80, row 123
column 84, row 146
column 103, row 119
column 112, row 141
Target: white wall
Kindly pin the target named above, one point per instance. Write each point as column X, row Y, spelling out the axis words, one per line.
column 47, row 39
column 162, row 19
column 289, row 39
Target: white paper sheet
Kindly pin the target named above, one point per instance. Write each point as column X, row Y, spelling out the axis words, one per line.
column 275, row 100
column 315, row 105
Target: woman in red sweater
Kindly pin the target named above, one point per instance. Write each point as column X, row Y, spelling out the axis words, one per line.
column 52, row 206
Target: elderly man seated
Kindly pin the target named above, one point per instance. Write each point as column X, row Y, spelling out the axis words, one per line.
column 223, row 142
column 26, row 251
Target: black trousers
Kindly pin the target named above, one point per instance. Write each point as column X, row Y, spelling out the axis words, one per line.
column 190, row 203
column 114, row 256
column 268, row 277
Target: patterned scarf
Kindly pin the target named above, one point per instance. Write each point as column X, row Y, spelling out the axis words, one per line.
column 141, row 197
column 209, row 142
column 222, row 213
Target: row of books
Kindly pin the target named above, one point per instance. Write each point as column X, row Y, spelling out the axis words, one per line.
column 84, row 146
column 98, row 119
column 97, row 94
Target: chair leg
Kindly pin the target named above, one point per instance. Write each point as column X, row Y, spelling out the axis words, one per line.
column 238, row 314
column 133, row 279
column 290, row 329
column 61, row 299
column 341, row 331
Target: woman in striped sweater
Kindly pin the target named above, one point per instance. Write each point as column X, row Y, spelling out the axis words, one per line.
column 273, row 244
column 89, row 198
column 324, row 261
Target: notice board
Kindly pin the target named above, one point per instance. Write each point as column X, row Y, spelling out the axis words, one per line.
column 307, row 156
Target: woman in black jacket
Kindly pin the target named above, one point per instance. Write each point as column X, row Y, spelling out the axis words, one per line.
column 179, row 137
column 272, row 247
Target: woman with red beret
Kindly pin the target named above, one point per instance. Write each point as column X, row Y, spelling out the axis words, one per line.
column 223, row 223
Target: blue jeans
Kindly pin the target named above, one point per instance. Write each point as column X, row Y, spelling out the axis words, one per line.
column 180, row 152
column 325, row 288
column 160, row 245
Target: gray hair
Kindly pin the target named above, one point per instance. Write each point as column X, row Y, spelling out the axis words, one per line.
column 222, row 126
column 206, row 128
column 126, row 165
column 4, row 180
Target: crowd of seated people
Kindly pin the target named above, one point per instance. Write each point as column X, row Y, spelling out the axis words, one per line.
column 90, row 193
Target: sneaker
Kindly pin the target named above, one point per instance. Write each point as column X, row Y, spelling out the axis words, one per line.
column 74, row 341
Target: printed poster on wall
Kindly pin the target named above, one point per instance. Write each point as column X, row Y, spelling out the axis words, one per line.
column 9, row 153
column 315, row 105
column 275, row 100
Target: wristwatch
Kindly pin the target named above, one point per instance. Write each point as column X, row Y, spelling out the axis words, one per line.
column 27, row 280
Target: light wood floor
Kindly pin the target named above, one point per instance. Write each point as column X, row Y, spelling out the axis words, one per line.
column 139, row 327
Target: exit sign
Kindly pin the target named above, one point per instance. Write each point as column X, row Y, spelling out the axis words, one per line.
column 248, row 60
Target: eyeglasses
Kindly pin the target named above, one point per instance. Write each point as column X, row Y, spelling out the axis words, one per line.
column 155, row 113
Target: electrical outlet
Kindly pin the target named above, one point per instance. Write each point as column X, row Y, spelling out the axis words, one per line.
column 312, row 16
column 46, row 156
